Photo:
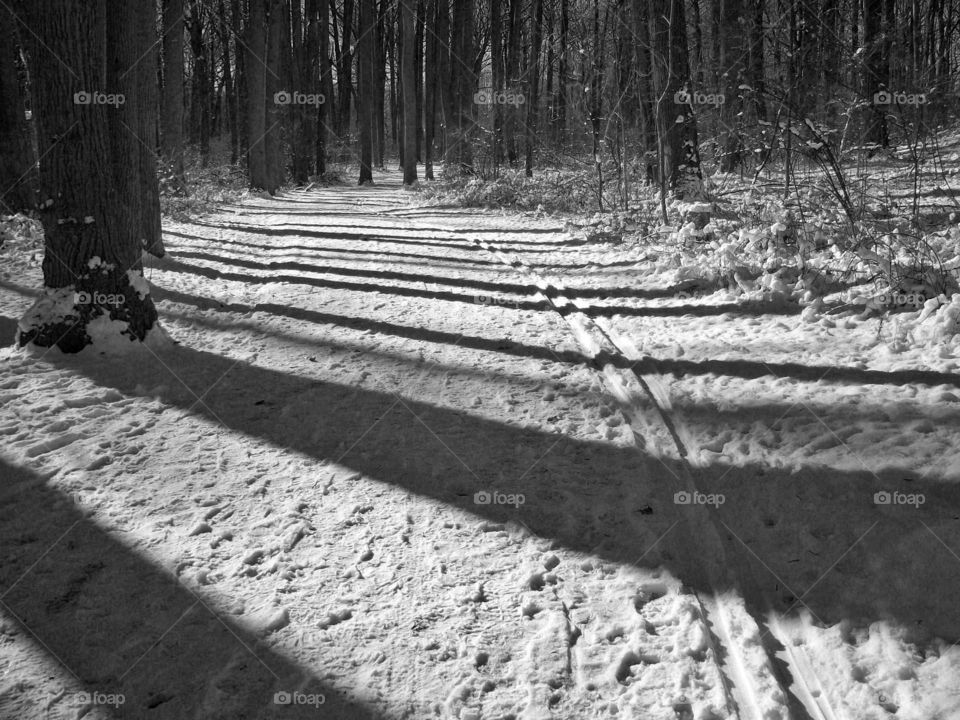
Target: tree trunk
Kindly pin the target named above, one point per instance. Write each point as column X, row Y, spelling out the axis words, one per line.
column 409, row 70
column 273, row 145
column 18, row 176
column 497, row 73
column 172, row 113
column 138, row 81
column 458, row 153
column 533, row 85
column 200, row 96
column 326, row 85
column 256, row 72
column 345, row 71
column 432, row 74
column 230, row 84
column 733, row 49
column 875, row 74
column 366, row 52
column 676, row 123
column 92, row 245
column 513, row 76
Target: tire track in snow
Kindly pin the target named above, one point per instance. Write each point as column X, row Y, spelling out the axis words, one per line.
column 735, row 634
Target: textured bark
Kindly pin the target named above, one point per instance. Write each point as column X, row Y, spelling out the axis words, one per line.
column 201, row 82
column 512, row 78
column 87, row 158
column 272, row 141
column 18, row 177
column 676, row 123
column 460, row 119
column 733, row 49
column 256, row 72
column 430, row 87
column 366, row 52
column 533, row 86
column 409, row 74
column 345, row 71
column 326, row 85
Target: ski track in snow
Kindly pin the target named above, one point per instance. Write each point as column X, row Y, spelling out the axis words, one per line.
column 289, row 495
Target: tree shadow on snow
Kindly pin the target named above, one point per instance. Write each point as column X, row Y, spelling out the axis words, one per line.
column 119, row 623
column 835, row 550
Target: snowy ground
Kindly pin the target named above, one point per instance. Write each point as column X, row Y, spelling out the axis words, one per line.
column 379, row 470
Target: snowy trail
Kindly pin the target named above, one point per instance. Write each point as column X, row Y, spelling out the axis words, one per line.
column 321, row 468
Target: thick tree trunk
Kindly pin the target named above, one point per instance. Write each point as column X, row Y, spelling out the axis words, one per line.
column 138, row 82
column 676, row 123
column 18, row 176
column 95, row 290
column 230, row 84
column 273, row 144
column 875, row 75
column 172, row 113
column 513, row 77
column 345, row 72
column 240, row 79
column 497, row 74
column 366, row 52
column 256, row 72
column 533, row 86
column 432, row 67
column 409, row 70
column 458, row 153
column 326, row 85
column 733, row 50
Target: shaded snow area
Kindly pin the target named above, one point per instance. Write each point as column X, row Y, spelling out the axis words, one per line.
column 422, row 462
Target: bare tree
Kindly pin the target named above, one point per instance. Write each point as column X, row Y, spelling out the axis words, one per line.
column 409, row 70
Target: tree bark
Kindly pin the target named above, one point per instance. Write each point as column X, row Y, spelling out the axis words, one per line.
column 533, row 86
column 366, row 52
column 18, row 176
column 172, row 113
column 256, row 71
column 409, row 74
column 676, row 123
column 92, row 244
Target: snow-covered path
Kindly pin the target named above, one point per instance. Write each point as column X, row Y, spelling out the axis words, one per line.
column 378, row 467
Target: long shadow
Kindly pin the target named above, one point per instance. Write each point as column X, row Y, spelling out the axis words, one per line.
column 749, row 369
column 278, row 229
column 378, row 254
column 592, row 497
column 463, row 283
column 472, row 342
column 121, row 624
column 177, row 266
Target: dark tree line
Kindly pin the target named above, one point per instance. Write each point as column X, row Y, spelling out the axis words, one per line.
column 285, row 87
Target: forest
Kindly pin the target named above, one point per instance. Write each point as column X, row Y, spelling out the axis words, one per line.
column 480, row 359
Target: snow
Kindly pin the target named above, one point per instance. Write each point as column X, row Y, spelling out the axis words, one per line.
column 279, row 492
